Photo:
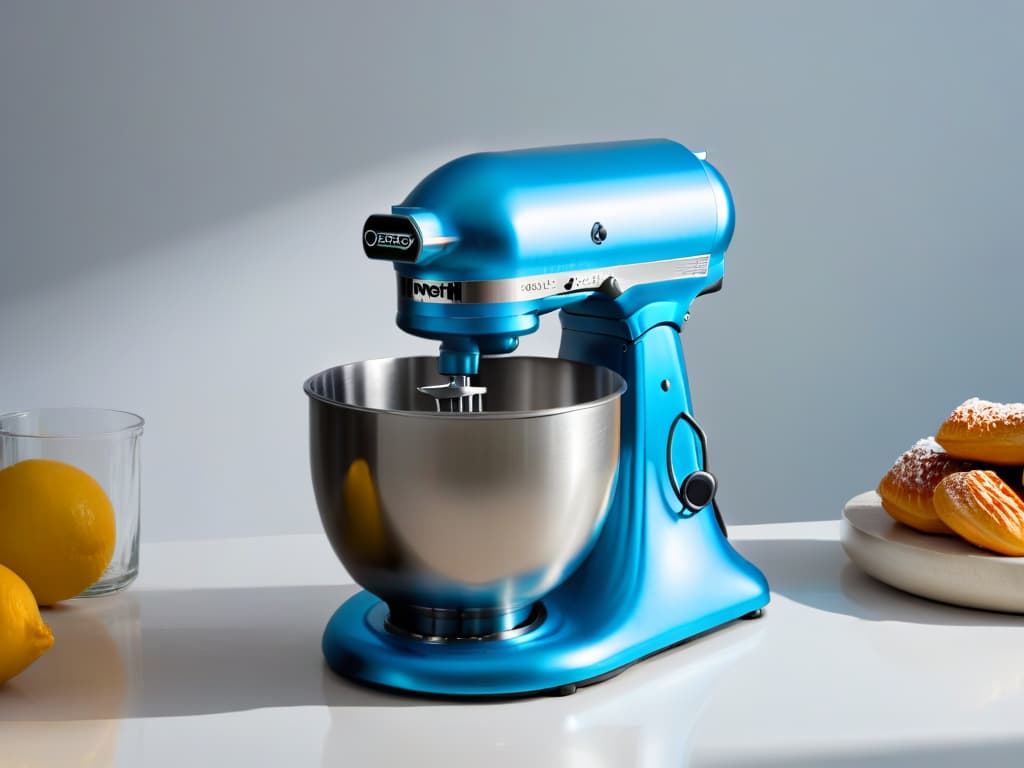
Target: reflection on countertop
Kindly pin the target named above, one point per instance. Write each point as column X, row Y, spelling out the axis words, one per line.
column 644, row 717
column 205, row 652
column 222, row 662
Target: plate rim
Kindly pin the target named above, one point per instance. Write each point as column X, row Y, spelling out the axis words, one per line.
column 968, row 579
column 919, row 540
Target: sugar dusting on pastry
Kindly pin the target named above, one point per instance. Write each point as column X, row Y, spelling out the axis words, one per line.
column 924, row 465
column 956, row 486
column 983, row 415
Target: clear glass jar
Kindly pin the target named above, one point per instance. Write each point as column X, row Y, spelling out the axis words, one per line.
column 103, row 443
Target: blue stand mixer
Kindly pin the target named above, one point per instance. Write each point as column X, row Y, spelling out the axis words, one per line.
column 526, row 525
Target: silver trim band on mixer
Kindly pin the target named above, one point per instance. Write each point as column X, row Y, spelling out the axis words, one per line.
column 551, row 284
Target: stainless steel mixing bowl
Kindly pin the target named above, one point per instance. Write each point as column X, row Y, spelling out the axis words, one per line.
column 461, row 522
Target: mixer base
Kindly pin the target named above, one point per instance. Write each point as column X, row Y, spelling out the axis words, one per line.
column 579, row 642
column 363, row 671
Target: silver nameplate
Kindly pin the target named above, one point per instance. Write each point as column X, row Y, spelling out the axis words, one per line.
column 551, row 284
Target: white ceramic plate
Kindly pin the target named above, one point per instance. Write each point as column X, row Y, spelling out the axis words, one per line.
column 942, row 568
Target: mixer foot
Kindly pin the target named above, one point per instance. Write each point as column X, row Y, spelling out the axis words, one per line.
column 753, row 615
column 564, row 690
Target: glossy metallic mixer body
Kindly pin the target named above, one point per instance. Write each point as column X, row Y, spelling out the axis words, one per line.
column 524, row 524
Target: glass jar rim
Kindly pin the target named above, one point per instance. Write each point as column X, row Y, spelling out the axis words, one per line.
column 133, row 423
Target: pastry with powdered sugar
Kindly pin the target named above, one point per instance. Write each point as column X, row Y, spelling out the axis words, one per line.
column 907, row 488
column 980, row 430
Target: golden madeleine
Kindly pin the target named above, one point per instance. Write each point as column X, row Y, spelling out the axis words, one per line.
column 980, row 430
column 983, row 509
column 907, row 488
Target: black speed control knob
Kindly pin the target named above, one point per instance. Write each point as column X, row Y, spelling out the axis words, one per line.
column 698, row 490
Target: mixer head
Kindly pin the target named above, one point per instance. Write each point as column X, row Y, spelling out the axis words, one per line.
column 488, row 242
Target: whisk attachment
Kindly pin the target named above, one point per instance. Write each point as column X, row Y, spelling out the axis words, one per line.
column 457, row 396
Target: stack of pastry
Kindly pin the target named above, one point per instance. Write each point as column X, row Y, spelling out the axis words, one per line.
column 966, row 480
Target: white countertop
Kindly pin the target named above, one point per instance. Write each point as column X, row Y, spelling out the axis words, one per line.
column 213, row 658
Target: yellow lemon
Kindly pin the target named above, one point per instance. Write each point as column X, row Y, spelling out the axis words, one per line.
column 23, row 635
column 56, row 528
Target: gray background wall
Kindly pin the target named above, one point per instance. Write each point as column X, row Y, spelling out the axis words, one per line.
column 182, row 186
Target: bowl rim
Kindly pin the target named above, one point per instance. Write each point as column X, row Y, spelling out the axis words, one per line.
column 619, row 389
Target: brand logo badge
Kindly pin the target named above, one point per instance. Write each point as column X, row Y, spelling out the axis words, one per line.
column 395, row 240
column 422, row 290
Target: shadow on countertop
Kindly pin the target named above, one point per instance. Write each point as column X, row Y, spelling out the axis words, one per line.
column 817, row 573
